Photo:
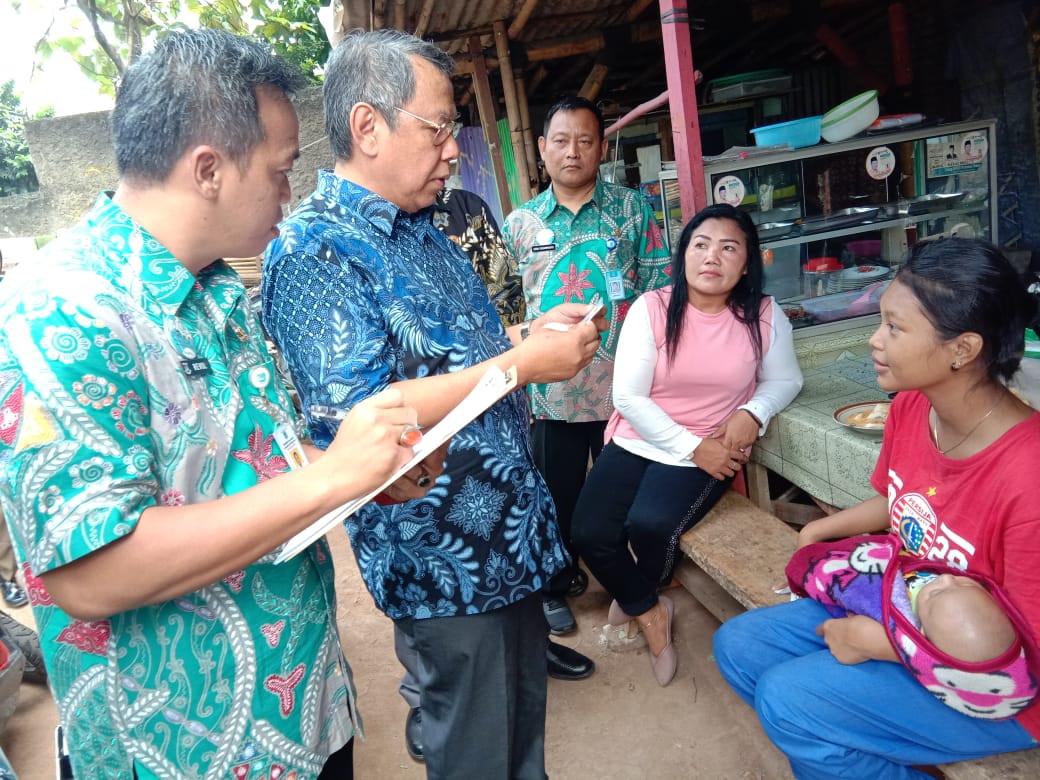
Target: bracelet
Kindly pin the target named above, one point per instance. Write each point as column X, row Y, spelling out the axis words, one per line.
column 753, row 417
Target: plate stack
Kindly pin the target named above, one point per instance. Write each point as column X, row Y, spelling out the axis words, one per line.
column 859, row 276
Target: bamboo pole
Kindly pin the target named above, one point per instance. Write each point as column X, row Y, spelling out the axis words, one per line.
column 529, row 145
column 486, row 107
column 505, row 69
column 520, row 20
column 594, row 81
column 424, row 19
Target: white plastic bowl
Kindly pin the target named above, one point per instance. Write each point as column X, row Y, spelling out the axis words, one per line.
column 851, row 117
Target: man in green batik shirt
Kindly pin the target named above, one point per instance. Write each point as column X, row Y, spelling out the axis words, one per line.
column 147, row 451
column 580, row 237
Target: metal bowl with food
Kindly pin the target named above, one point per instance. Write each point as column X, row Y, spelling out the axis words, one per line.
column 867, row 418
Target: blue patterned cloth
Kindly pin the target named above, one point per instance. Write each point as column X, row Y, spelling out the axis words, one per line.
column 358, row 295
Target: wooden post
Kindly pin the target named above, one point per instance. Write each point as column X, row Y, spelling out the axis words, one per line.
column 528, row 133
column 505, row 69
column 686, row 130
column 486, row 107
column 399, row 14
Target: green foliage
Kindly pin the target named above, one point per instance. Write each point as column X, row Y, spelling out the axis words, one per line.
column 114, row 32
column 16, row 169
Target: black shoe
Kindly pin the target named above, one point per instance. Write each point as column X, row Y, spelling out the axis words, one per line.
column 579, row 583
column 568, row 664
column 413, row 734
column 13, row 594
column 558, row 615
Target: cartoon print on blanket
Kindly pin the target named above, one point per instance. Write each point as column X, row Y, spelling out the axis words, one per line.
column 854, row 576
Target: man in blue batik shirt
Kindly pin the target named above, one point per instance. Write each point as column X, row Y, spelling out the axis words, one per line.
column 362, row 292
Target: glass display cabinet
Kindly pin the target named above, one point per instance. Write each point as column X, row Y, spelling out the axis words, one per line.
column 835, row 220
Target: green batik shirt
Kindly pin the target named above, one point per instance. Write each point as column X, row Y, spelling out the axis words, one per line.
column 127, row 383
column 565, row 257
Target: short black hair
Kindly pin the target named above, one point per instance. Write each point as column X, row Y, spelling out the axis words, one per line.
column 574, row 103
column 196, row 86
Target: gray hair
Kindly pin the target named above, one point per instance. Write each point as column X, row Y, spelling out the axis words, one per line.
column 375, row 68
column 196, row 86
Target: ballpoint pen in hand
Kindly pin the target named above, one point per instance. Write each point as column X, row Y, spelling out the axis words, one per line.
column 410, row 436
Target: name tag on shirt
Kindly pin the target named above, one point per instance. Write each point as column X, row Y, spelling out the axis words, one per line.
column 543, row 248
column 196, row 367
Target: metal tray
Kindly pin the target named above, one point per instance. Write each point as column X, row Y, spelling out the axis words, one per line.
column 771, row 230
column 935, row 202
column 840, row 219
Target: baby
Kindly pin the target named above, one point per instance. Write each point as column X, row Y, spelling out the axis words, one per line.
column 955, row 631
column 959, row 616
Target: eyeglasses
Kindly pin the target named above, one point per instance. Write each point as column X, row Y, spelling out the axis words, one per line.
column 444, row 129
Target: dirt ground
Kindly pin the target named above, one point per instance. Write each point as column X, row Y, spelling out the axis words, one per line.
column 616, row 724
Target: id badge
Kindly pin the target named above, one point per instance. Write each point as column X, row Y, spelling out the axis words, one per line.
column 615, row 285
column 290, row 445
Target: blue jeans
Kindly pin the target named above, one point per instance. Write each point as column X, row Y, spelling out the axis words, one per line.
column 871, row 720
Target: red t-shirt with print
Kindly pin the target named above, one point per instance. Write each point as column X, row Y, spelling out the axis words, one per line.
column 980, row 513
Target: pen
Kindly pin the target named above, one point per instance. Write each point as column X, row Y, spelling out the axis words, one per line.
column 411, row 435
column 326, row 412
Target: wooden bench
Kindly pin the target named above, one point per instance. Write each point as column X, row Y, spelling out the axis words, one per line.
column 737, row 554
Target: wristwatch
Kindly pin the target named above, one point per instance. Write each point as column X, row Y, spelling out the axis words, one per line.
column 525, row 329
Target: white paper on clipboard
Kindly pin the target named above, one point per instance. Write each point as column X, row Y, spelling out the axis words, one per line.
column 495, row 384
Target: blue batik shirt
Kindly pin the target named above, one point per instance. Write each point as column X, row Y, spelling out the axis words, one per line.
column 358, row 295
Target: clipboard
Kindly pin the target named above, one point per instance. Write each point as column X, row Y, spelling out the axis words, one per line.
column 492, row 387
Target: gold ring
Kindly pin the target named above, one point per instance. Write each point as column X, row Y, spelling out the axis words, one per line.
column 411, row 435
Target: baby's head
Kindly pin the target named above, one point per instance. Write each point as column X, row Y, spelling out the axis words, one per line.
column 960, row 617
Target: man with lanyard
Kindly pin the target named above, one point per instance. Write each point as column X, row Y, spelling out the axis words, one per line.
column 361, row 293
column 149, row 467
column 581, row 237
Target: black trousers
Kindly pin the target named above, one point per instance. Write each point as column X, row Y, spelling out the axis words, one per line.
column 482, row 686
column 629, row 518
column 340, row 765
column 561, row 452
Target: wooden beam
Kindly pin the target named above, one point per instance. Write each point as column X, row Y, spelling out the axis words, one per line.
column 399, row 14
column 486, row 107
column 505, row 69
column 520, row 20
column 424, row 19
column 678, row 64
column 589, row 44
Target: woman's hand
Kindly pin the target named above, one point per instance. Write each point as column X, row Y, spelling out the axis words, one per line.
column 739, row 431
column 417, row 481
column 855, row 639
column 714, row 457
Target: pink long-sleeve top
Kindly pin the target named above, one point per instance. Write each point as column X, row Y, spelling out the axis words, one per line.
column 663, row 410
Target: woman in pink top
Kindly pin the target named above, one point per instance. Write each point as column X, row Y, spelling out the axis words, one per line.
column 702, row 366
